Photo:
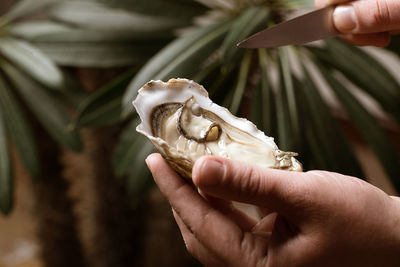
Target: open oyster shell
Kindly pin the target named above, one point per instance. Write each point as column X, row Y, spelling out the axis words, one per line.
column 184, row 124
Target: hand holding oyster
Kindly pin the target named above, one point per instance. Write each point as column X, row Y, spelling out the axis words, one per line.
column 184, row 124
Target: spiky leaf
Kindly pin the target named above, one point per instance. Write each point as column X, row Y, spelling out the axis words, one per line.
column 104, row 106
column 70, row 46
column 241, row 83
column 47, row 109
column 365, row 72
column 26, row 7
column 94, row 15
column 249, row 21
column 181, row 58
column 18, row 128
column 159, row 8
column 32, row 61
column 266, row 96
column 334, row 148
column 368, row 127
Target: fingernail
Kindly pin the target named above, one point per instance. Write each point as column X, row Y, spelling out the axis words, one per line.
column 212, row 167
column 344, row 18
column 149, row 160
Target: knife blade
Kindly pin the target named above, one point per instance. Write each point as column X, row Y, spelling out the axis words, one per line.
column 316, row 25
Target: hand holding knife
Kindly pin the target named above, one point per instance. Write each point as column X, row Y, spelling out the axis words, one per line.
column 360, row 22
column 313, row 26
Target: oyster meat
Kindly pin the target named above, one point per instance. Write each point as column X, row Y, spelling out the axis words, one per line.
column 184, row 124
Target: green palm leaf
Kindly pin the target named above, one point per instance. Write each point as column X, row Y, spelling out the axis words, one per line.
column 70, row 46
column 286, row 106
column 365, row 72
column 296, row 4
column 368, row 127
column 18, row 129
column 159, row 8
column 249, row 21
column 48, row 110
column 266, row 96
column 32, row 61
column 127, row 148
column 241, row 83
column 104, row 106
column 181, row 58
column 288, row 84
column 333, row 147
column 94, row 15
column 26, row 7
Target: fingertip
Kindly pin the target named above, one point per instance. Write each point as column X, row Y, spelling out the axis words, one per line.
column 207, row 171
column 152, row 159
column 196, row 171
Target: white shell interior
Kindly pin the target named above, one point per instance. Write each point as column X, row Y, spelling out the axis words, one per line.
column 156, row 93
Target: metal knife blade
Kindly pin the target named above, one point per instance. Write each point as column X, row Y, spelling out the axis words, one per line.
column 316, row 25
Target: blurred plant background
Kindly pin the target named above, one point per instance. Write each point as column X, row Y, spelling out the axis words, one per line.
column 70, row 157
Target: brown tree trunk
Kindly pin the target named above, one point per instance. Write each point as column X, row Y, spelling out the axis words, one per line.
column 56, row 223
column 111, row 230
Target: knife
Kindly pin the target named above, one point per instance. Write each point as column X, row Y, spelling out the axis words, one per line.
column 316, row 25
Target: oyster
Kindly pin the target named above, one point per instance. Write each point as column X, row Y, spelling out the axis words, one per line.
column 184, row 124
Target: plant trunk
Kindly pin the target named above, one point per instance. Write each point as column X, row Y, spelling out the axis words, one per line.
column 56, row 223
column 111, row 231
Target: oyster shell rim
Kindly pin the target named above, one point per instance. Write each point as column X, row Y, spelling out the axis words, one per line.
column 177, row 159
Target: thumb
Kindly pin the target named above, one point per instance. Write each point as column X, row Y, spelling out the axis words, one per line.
column 276, row 190
column 367, row 16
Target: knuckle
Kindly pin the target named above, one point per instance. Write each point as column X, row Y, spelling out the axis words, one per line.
column 301, row 193
column 305, row 190
column 251, row 183
column 380, row 13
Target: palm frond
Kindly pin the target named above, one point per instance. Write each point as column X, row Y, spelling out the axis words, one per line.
column 368, row 126
column 24, row 8
column 181, row 58
column 97, row 16
column 127, row 148
column 241, row 82
column 32, row 61
column 104, row 106
column 71, row 46
column 47, row 109
column 183, row 10
column 247, row 23
column 365, row 72
column 18, row 129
